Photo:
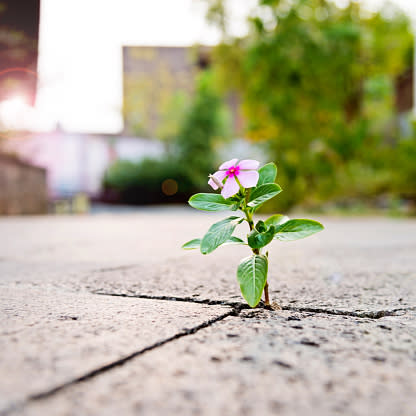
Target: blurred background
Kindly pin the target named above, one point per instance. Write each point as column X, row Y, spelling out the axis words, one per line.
column 132, row 102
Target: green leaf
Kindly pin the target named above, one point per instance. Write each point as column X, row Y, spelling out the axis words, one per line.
column 218, row 234
column 276, row 220
column 193, row 244
column 260, row 239
column 261, row 227
column 234, row 240
column 252, row 276
column 210, row 202
column 297, row 229
column 263, row 193
column 196, row 243
column 267, row 174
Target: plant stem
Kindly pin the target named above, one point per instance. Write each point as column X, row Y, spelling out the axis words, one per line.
column 249, row 219
column 266, row 294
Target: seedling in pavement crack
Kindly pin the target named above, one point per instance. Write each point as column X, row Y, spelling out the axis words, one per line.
column 244, row 188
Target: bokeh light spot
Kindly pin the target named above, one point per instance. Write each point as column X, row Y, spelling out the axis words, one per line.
column 169, row 187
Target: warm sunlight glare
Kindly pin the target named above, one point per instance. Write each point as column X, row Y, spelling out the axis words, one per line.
column 14, row 112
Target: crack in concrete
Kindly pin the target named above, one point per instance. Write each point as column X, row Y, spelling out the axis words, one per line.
column 240, row 305
column 17, row 406
column 355, row 314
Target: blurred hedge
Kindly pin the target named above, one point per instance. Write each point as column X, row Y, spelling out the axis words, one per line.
column 144, row 182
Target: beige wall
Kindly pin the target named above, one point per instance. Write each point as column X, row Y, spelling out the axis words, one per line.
column 23, row 188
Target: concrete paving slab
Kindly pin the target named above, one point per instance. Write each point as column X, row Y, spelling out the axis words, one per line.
column 51, row 336
column 269, row 363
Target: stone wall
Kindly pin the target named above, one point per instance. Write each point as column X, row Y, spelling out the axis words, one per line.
column 23, row 187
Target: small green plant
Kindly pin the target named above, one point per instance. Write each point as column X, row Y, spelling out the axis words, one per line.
column 245, row 188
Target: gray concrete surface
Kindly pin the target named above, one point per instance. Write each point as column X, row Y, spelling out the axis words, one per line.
column 53, row 336
column 84, row 330
column 267, row 364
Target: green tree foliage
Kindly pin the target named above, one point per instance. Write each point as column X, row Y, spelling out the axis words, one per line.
column 202, row 125
column 316, row 83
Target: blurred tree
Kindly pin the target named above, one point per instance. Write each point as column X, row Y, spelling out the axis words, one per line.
column 315, row 82
column 203, row 124
column 404, row 168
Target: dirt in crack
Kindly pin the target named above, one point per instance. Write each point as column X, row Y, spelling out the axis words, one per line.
column 240, row 306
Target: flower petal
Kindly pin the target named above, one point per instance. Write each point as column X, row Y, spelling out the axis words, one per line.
column 220, row 175
column 248, row 178
column 230, row 188
column 212, row 184
column 248, row 164
column 227, row 165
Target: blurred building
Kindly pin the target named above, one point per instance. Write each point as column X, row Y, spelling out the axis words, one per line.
column 76, row 162
column 23, row 187
column 152, row 77
column 157, row 79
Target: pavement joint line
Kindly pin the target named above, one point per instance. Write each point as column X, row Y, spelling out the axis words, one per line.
column 19, row 405
column 237, row 305
column 355, row 314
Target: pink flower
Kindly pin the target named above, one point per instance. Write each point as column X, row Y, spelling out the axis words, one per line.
column 245, row 171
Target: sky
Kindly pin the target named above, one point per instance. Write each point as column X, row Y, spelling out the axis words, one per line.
column 80, row 54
